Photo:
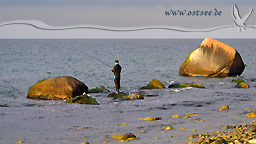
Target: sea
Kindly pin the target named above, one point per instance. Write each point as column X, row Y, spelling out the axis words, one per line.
column 23, row 62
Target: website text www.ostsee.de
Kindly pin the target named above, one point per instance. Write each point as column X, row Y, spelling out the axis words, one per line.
column 213, row 12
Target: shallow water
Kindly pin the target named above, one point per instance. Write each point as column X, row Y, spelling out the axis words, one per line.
column 24, row 62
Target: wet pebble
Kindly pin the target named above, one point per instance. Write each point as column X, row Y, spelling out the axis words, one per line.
column 128, row 136
column 223, row 108
column 251, row 114
column 169, row 128
column 150, row 118
column 176, row 116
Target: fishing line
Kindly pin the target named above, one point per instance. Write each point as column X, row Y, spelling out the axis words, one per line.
column 98, row 60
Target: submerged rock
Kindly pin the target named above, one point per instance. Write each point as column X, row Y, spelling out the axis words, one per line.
column 193, row 114
column 99, row 89
column 81, row 128
column 125, row 96
column 57, row 88
column 212, row 59
column 135, row 96
column 241, row 83
column 83, row 99
column 142, row 131
column 154, row 84
column 128, row 136
column 223, row 108
column 169, row 128
column 183, row 85
column 150, row 118
column 176, row 116
column 119, row 95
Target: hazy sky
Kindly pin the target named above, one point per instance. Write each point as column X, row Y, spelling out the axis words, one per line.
column 118, row 3
column 124, row 13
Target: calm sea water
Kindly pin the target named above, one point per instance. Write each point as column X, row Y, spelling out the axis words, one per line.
column 24, row 62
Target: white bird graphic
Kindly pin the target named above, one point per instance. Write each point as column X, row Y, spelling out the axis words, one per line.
column 240, row 22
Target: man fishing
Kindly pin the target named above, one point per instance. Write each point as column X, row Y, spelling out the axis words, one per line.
column 117, row 70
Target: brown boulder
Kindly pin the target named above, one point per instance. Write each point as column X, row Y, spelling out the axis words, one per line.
column 57, row 88
column 212, row 59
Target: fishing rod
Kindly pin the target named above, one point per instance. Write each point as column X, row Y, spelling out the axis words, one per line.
column 98, row 60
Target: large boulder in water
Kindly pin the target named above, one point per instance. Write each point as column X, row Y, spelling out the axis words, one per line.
column 212, row 59
column 57, row 88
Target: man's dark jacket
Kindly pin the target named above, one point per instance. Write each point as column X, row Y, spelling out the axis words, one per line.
column 117, row 70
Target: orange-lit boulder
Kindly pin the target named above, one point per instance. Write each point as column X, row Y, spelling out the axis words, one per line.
column 212, row 59
column 57, row 88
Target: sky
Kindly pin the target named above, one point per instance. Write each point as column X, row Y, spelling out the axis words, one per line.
column 125, row 13
column 117, row 3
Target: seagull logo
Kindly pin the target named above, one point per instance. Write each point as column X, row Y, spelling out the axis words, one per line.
column 240, row 22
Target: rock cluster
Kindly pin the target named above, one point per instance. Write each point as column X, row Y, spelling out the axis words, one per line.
column 242, row 134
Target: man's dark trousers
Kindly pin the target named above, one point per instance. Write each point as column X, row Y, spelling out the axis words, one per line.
column 117, row 83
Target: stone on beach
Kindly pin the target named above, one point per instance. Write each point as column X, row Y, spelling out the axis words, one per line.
column 150, row 118
column 176, row 116
column 193, row 114
column 223, row 108
column 169, row 128
column 251, row 114
column 57, row 88
column 142, row 131
column 128, row 136
column 212, row 59
column 154, row 84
